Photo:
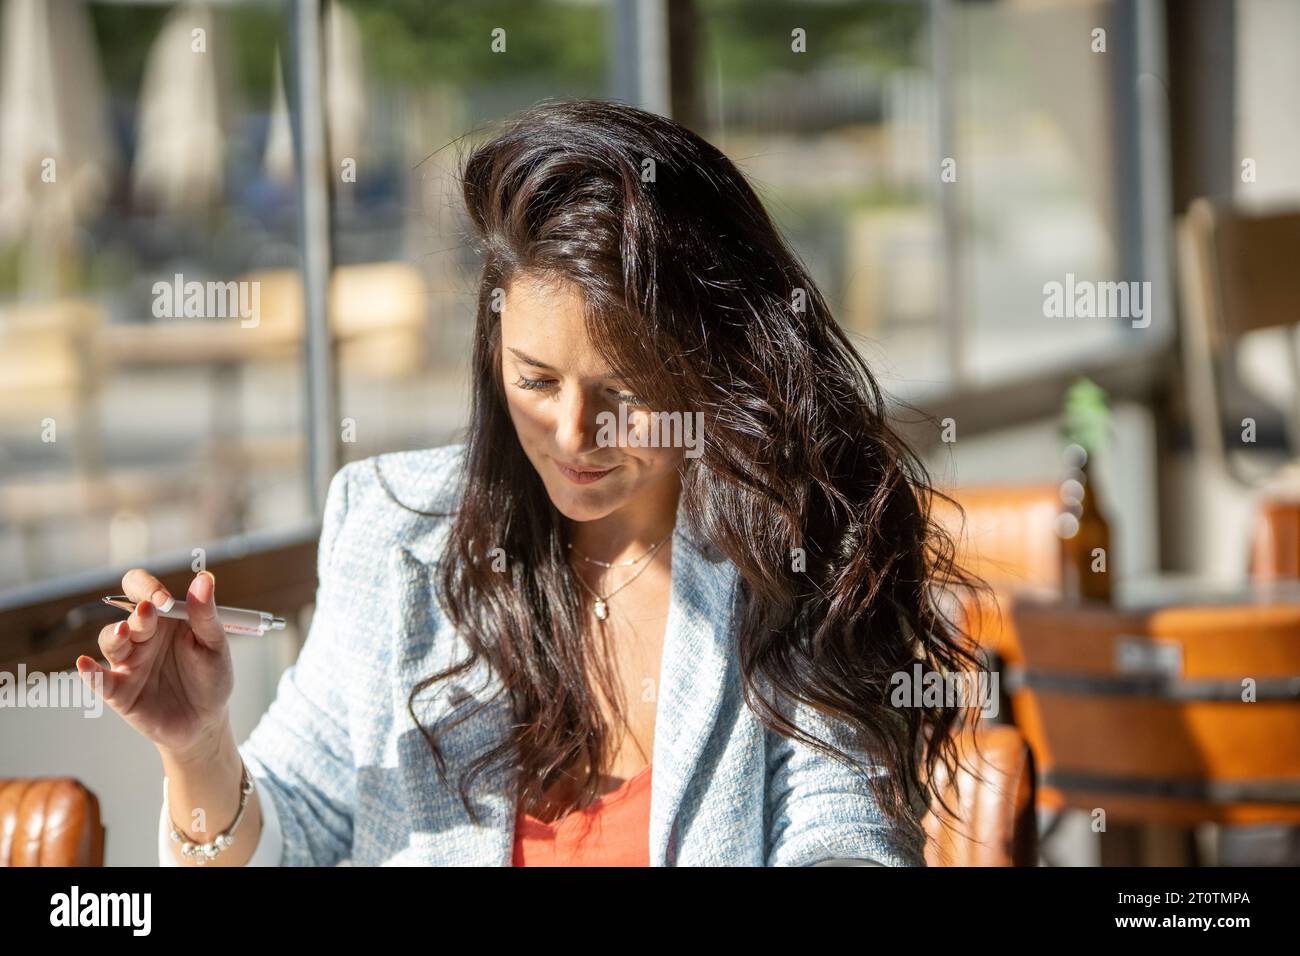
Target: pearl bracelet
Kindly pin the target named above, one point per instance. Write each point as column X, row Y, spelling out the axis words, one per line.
column 201, row 853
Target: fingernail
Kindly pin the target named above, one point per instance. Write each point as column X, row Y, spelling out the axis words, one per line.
column 122, row 629
column 143, row 610
column 162, row 600
column 197, row 589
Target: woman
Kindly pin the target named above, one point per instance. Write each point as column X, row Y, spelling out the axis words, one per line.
column 648, row 612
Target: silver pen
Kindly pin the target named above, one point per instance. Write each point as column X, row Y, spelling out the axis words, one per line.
column 234, row 620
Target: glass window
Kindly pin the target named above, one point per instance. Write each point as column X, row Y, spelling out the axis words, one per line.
column 150, row 383
column 1035, row 127
column 412, row 88
column 828, row 109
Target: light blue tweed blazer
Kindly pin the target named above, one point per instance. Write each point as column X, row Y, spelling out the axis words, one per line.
column 352, row 778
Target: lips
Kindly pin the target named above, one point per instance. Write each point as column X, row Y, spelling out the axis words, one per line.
column 580, row 475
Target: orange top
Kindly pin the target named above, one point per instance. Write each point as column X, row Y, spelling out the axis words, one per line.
column 613, row 830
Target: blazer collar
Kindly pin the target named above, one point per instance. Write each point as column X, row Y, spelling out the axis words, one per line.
column 693, row 674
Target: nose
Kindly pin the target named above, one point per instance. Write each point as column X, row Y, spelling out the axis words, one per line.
column 575, row 425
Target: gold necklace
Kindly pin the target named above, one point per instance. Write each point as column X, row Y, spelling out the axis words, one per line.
column 601, row 607
column 617, row 564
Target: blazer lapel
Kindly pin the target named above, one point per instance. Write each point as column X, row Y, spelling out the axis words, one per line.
column 692, row 679
column 693, row 671
column 442, row 833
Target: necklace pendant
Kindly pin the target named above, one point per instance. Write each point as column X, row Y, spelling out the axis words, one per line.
column 602, row 609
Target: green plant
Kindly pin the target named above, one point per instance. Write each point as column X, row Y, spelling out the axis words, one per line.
column 1086, row 415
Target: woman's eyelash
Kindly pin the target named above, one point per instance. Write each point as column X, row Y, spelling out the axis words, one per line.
column 532, row 384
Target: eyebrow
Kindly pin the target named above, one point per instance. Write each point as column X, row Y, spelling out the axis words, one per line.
column 529, row 360
column 538, row 363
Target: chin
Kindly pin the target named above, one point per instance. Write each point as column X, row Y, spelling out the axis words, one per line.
column 579, row 506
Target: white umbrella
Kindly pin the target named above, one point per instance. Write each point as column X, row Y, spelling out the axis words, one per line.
column 345, row 99
column 56, row 150
column 182, row 139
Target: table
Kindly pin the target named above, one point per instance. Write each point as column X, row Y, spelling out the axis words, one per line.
column 1176, row 705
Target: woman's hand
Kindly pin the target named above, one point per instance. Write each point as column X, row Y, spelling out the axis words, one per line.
column 170, row 680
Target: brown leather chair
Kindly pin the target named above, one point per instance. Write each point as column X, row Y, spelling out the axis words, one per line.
column 49, row 821
column 995, row 823
column 1237, row 277
column 1140, row 711
column 1275, row 542
column 1008, row 535
column 1007, row 538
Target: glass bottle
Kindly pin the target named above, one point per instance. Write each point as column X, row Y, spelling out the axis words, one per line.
column 1084, row 533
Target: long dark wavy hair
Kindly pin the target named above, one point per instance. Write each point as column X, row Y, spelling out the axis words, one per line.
column 698, row 304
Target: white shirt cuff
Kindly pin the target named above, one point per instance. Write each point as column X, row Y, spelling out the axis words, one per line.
column 269, row 848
